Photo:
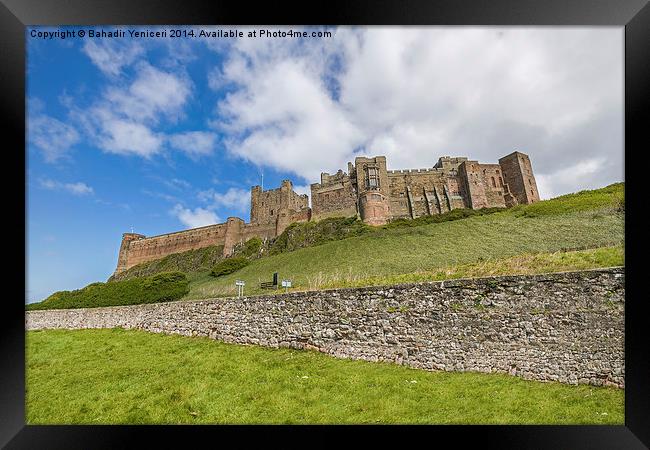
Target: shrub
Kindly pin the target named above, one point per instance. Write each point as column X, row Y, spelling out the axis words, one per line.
column 252, row 248
column 228, row 266
column 162, row 287
column 308, row 234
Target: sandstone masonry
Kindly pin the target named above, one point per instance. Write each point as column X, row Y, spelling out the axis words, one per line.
column 368, row 190
column 566, row 327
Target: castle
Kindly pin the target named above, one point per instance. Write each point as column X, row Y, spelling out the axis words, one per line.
column 368, row 190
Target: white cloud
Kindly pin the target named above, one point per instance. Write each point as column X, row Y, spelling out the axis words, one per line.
column 77, row 188
column 583, row 175
column 153, row 94
column 111, row 55
column 234, row 198
column 178, row 184
column 194, row 143
column 53, row 137
column 123, row 120
column 414, row 94
column 195, row 218
column 125, row 137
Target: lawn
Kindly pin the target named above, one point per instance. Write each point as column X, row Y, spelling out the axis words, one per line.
column 125, row 376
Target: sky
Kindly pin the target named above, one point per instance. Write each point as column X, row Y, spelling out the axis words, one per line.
column 160, row 134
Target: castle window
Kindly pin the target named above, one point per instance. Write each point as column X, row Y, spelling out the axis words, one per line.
column 494, row 183
column 271, row 212
column 500, row 182
column 372, row 177
column 530, row 182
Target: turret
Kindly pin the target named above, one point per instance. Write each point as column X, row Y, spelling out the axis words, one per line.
column 123, row 256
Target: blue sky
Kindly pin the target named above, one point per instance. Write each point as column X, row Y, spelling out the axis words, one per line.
column 166, row 134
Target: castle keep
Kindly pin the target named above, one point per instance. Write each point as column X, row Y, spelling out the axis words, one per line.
column 368, row 190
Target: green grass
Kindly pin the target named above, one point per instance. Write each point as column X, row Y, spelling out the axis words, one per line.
column 590, row 219
column 525, row 264
column 134, row 377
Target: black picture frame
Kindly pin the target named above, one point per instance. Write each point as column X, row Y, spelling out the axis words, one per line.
column 634, row 15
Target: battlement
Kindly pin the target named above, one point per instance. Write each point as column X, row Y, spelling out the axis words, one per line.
column 404, row 171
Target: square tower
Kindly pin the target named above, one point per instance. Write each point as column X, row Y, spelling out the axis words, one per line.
column 373, row 190
column 518, row 175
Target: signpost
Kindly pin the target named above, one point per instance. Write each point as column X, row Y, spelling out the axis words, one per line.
column 286, row 284
column 240, row 287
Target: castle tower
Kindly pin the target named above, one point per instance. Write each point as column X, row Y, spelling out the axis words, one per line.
column 518, row 175
column 233, row 235
column 122, row 258
column 256, row 192
column 470, row 173
column 373, row 190
column 279, row 206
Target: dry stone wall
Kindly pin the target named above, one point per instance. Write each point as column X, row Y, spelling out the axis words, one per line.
column 566, row 327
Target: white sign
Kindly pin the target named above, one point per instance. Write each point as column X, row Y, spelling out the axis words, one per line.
column 286, row 283
column 240, row 287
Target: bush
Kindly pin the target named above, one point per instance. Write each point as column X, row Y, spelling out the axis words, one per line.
column 163, row 287
column 252, row 248
column 228, row 266
column 308, row 234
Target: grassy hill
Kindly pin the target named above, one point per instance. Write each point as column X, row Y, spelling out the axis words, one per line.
column 585, row 220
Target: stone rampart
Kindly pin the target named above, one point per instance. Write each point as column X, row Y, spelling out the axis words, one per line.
column 566, row 327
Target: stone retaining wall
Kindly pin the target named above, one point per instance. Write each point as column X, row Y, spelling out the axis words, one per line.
column 566, row 327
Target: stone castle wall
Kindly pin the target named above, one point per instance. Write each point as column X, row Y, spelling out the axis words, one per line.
column 450, row 184
column 385, row 195
column 334, row 196
column 566, row 327
column 137, row 248
column 271, row 212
